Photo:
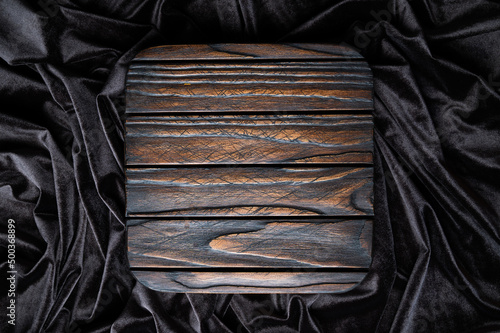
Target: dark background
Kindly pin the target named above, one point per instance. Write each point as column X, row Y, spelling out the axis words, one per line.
column 436, row 265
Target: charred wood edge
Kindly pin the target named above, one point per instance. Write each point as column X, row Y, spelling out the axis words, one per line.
column 318, row 218
column 325, row 59
column 237, row 115
column 251, row 165
column 222, row 64
column 353, row 72
column 160, row 113
column 250, row 269
column 317, row 61
column 306, row 280
column 158, row 216
column 235, row 282
column 246, row 165
column 333, row 53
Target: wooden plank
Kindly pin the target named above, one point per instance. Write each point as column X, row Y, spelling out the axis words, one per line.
column 250, row 243
column 246, row 51
column 249, row 191
column 249, row 87
column 257, row 139
column 350, row 72
column 259, row 99
column 249, row 282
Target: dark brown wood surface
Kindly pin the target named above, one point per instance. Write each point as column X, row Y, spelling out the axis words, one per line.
column 249, row 191
column 257, row 139
column 249, row 282
column 249, row 168
column 250, row 243
column 251, row 87
column 193, row 53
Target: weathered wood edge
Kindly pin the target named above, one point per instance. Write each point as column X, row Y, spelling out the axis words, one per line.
column 195, row 52
column 248, row 283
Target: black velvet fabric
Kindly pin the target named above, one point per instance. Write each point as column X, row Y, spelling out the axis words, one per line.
column 436, row 254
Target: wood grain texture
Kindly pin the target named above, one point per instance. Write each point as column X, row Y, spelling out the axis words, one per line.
column 246, row 51
column 248, row 168
column 249, row 282
column 257, row 139
column 249, row 87
column 250, row 243
column 251, row 191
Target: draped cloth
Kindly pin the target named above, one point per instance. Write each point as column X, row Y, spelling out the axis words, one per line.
column 436, row 247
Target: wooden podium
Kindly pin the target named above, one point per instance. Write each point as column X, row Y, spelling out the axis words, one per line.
column 249, row 168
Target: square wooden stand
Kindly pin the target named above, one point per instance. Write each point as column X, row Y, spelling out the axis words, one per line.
column 249, row 168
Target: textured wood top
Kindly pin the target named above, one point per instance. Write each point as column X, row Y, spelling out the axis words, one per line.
column 249, row 168
column 240, row 52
